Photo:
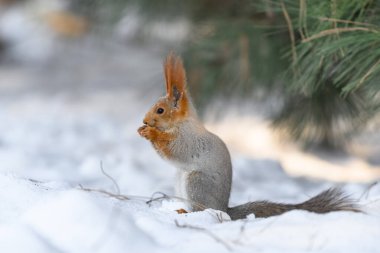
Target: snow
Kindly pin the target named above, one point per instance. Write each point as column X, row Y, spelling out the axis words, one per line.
column 65, row 121
column 50, row 149
column 58, row 218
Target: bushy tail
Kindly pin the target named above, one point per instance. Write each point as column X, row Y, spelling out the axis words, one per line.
column 327, row 201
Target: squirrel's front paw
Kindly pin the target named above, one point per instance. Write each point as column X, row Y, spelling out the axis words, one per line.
column 141, row 129
column 145, row 131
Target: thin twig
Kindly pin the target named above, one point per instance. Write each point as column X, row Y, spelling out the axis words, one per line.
column 165, row 197
column 218, row 215
column 337, row 30
column 334, row 8
column 344, row 21
column 101, row 240
column 301, row 17
column 291, row 34
column 110, row 178
column 149, row 200
column 153, row 199
column 35, row 181
column 207, row 232
column 110, row 194
column 375, row 201
column 369, row 72
column 367, row 190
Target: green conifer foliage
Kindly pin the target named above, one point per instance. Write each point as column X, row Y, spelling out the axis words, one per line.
column 335, row 70
column 322, row 56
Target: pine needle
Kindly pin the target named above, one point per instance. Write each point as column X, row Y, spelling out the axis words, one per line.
column 370, row 71
column 291, row 34
column 346, row 21
column 337, row 31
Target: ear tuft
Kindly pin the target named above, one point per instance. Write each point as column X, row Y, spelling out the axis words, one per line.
column 176, row 95
column 175, row 76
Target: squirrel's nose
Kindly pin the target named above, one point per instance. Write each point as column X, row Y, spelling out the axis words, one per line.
column 149, row 122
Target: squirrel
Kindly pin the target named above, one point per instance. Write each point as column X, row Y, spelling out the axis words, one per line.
column 204, row 169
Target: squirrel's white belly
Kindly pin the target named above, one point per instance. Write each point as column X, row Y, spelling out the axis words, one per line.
column 180, row 189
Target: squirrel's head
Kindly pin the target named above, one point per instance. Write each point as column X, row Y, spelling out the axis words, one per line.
column 176, row 106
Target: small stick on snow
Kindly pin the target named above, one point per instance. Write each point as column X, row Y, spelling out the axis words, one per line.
column 153, row 199
column 366, row 191
column 110, row 194
column 110, row 178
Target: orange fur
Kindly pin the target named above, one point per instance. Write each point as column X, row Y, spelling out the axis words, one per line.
column 175, row 74
column 160, row 140
column 158, row 128
column 175, row 77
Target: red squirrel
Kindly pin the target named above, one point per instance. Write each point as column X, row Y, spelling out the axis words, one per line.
column 204, row 170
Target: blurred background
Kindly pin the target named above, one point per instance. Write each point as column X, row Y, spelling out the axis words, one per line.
column 291, row 81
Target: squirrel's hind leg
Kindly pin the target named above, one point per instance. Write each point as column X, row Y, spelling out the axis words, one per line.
column 201, row 192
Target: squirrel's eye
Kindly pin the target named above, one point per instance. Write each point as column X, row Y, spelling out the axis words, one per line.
column 160, row 110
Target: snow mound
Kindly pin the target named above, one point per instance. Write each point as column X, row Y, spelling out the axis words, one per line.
column 39, row 217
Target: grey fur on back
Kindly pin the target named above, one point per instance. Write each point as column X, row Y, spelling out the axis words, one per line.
column 204, row 175
column 204, row 167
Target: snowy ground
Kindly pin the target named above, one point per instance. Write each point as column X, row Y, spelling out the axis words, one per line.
column 61, row 119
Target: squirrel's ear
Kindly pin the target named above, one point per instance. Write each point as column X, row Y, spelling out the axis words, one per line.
column 175, row 77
